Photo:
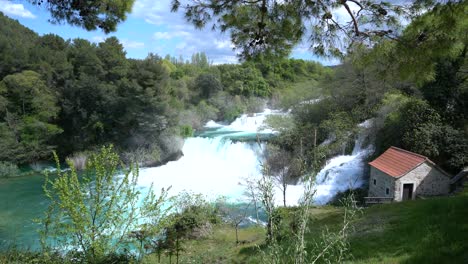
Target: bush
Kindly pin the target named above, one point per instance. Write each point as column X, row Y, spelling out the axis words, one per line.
column 206, row 112
column 78, row 160
column 186, row 131
column 143, row 156
column 95, row 213
column 8, row 169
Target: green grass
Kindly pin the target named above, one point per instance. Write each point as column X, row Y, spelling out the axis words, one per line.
column 422, row 231
column 219, row 247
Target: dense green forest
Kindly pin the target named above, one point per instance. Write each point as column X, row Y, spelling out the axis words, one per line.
column 74, row 96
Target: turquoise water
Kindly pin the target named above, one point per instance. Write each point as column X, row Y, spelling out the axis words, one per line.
column 22, row 201
column 214, row 163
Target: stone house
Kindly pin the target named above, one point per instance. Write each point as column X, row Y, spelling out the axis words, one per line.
column 399, row 175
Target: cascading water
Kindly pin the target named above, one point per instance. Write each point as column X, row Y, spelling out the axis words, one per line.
column 210, row 166
column 345, row 171
column 214, row 163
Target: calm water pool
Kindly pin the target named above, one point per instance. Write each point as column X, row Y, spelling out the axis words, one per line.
column 21, row 201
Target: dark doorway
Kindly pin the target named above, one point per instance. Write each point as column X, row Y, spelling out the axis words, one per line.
column 407, row 191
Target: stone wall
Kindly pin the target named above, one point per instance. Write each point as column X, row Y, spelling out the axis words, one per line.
column 427, row 180
column 382, row 182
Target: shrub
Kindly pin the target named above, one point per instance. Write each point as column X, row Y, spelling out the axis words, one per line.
column 143, row 156
column 186, row 131
column 95, row 213
column 78, row 160
column 8, row 169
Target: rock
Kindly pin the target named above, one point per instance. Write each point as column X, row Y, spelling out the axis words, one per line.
column 171, row 157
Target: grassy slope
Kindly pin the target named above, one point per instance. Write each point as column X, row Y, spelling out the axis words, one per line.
column 220, row 247
column 423, row 231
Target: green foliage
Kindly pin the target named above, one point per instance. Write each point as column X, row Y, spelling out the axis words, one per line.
column 29, row 108
column 83, row 95
column 280, row 123
column 421, row 110
column 200, row 60
column 206, row 112
column 8, row 169
column 245, row 80
column 104, row 15
column 300, row 92
column 271, row 28
column 418, row 127
column 96, row 212
column 15, row 43
column 28, row 257
column 448, row 92
column 435, row 35
column 192, row 219
column 186, row 131
column 340, row 127
column 208, row 84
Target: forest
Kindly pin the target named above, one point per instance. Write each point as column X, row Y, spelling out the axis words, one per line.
column 74, row 96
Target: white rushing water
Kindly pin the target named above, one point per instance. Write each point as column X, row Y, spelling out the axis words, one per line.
column 345, row 171
column 215, row 165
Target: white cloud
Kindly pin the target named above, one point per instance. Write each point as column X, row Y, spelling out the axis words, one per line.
column 162, row 35
column 223, row 44
column 97, row 39
column 173, row 27
column 171, row 35
column 131, row 44
column 12, row 9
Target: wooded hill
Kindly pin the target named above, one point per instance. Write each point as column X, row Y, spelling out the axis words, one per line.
column 74, row 96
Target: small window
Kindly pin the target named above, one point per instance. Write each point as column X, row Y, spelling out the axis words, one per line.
column 375, row 182
column 387, row 191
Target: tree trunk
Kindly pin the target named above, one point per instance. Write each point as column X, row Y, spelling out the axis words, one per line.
column 284, row 193
column 256, row 211
column 177, row 250
column 237, row 236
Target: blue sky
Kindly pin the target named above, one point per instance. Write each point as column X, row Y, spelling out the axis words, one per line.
column 151, row 27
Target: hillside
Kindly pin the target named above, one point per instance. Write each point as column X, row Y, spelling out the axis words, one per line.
column 75, row 95
column 422, row 231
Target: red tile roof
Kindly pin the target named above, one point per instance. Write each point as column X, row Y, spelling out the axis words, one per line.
column 396, row 162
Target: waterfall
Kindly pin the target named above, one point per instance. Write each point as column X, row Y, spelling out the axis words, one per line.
column 210, row 166
column 214, row 164
column 345, row 171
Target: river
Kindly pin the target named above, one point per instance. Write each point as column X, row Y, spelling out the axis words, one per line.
column 214, row 164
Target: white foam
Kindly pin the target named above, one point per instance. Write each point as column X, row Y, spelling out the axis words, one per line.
column 210, row 166
column 215, row 167
column 213, row 124
column 252, row 122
